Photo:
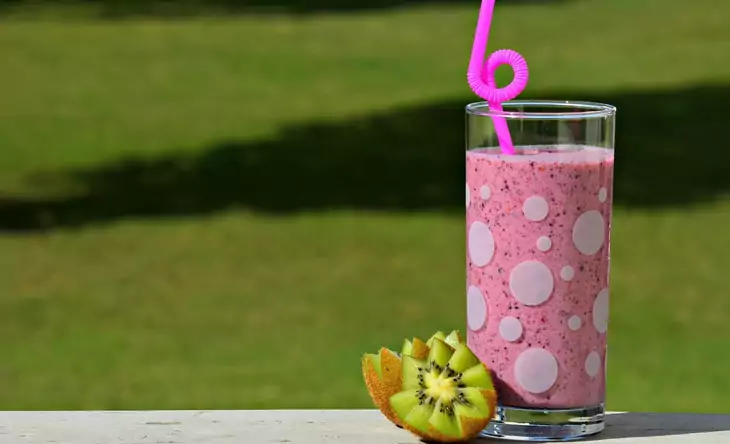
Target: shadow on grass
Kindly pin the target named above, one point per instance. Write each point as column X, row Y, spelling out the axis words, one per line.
column 408, row 159
column 113, row 9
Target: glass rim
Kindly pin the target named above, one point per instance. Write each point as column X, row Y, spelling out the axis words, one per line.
column 564, row 109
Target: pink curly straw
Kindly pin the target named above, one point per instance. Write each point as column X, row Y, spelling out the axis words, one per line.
column 481, row 74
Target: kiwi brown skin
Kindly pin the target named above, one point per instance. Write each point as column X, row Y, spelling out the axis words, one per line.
column 381, row 390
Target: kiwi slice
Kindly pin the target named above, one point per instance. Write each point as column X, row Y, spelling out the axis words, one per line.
column 454, row 338
column 420, row 350
column 375, row 360
column 411, row 371
column 382, row 374
column 476, row 377
column 437, row 402
column 437, row 389
column 462, row 359
column 440, row 354
column 416, row 348
column 438, row 335
column 407, row 347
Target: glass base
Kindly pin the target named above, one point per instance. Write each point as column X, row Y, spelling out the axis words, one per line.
column 545, row 425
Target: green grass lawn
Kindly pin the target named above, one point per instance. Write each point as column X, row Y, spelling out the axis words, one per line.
column 227, row 212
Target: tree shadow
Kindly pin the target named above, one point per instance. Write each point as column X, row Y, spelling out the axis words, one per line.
column 412, row 159
column 119, row 9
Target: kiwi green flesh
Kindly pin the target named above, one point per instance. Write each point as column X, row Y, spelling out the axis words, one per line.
column 403, row 402
column 432, row 391
column 439, row 354
column 476, row 401
column 438, row 335
column 418, row 417
column 410, row 371
column 477, row 376
column 453, row 339
column 407, row 347
column 467, row 411
column 375, row 359
column 444, row 420
column 462, row 359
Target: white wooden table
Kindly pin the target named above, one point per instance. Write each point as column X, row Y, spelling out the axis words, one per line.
column 306, row 427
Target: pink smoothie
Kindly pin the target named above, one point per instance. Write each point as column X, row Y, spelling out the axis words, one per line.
column 538, row 230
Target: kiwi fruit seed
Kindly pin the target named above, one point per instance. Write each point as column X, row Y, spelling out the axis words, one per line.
column 382, row 372
column 446, row 397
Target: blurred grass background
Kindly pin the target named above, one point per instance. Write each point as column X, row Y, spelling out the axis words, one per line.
column 224, row 204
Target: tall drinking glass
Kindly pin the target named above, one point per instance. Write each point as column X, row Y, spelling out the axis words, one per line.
column 538, row 230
